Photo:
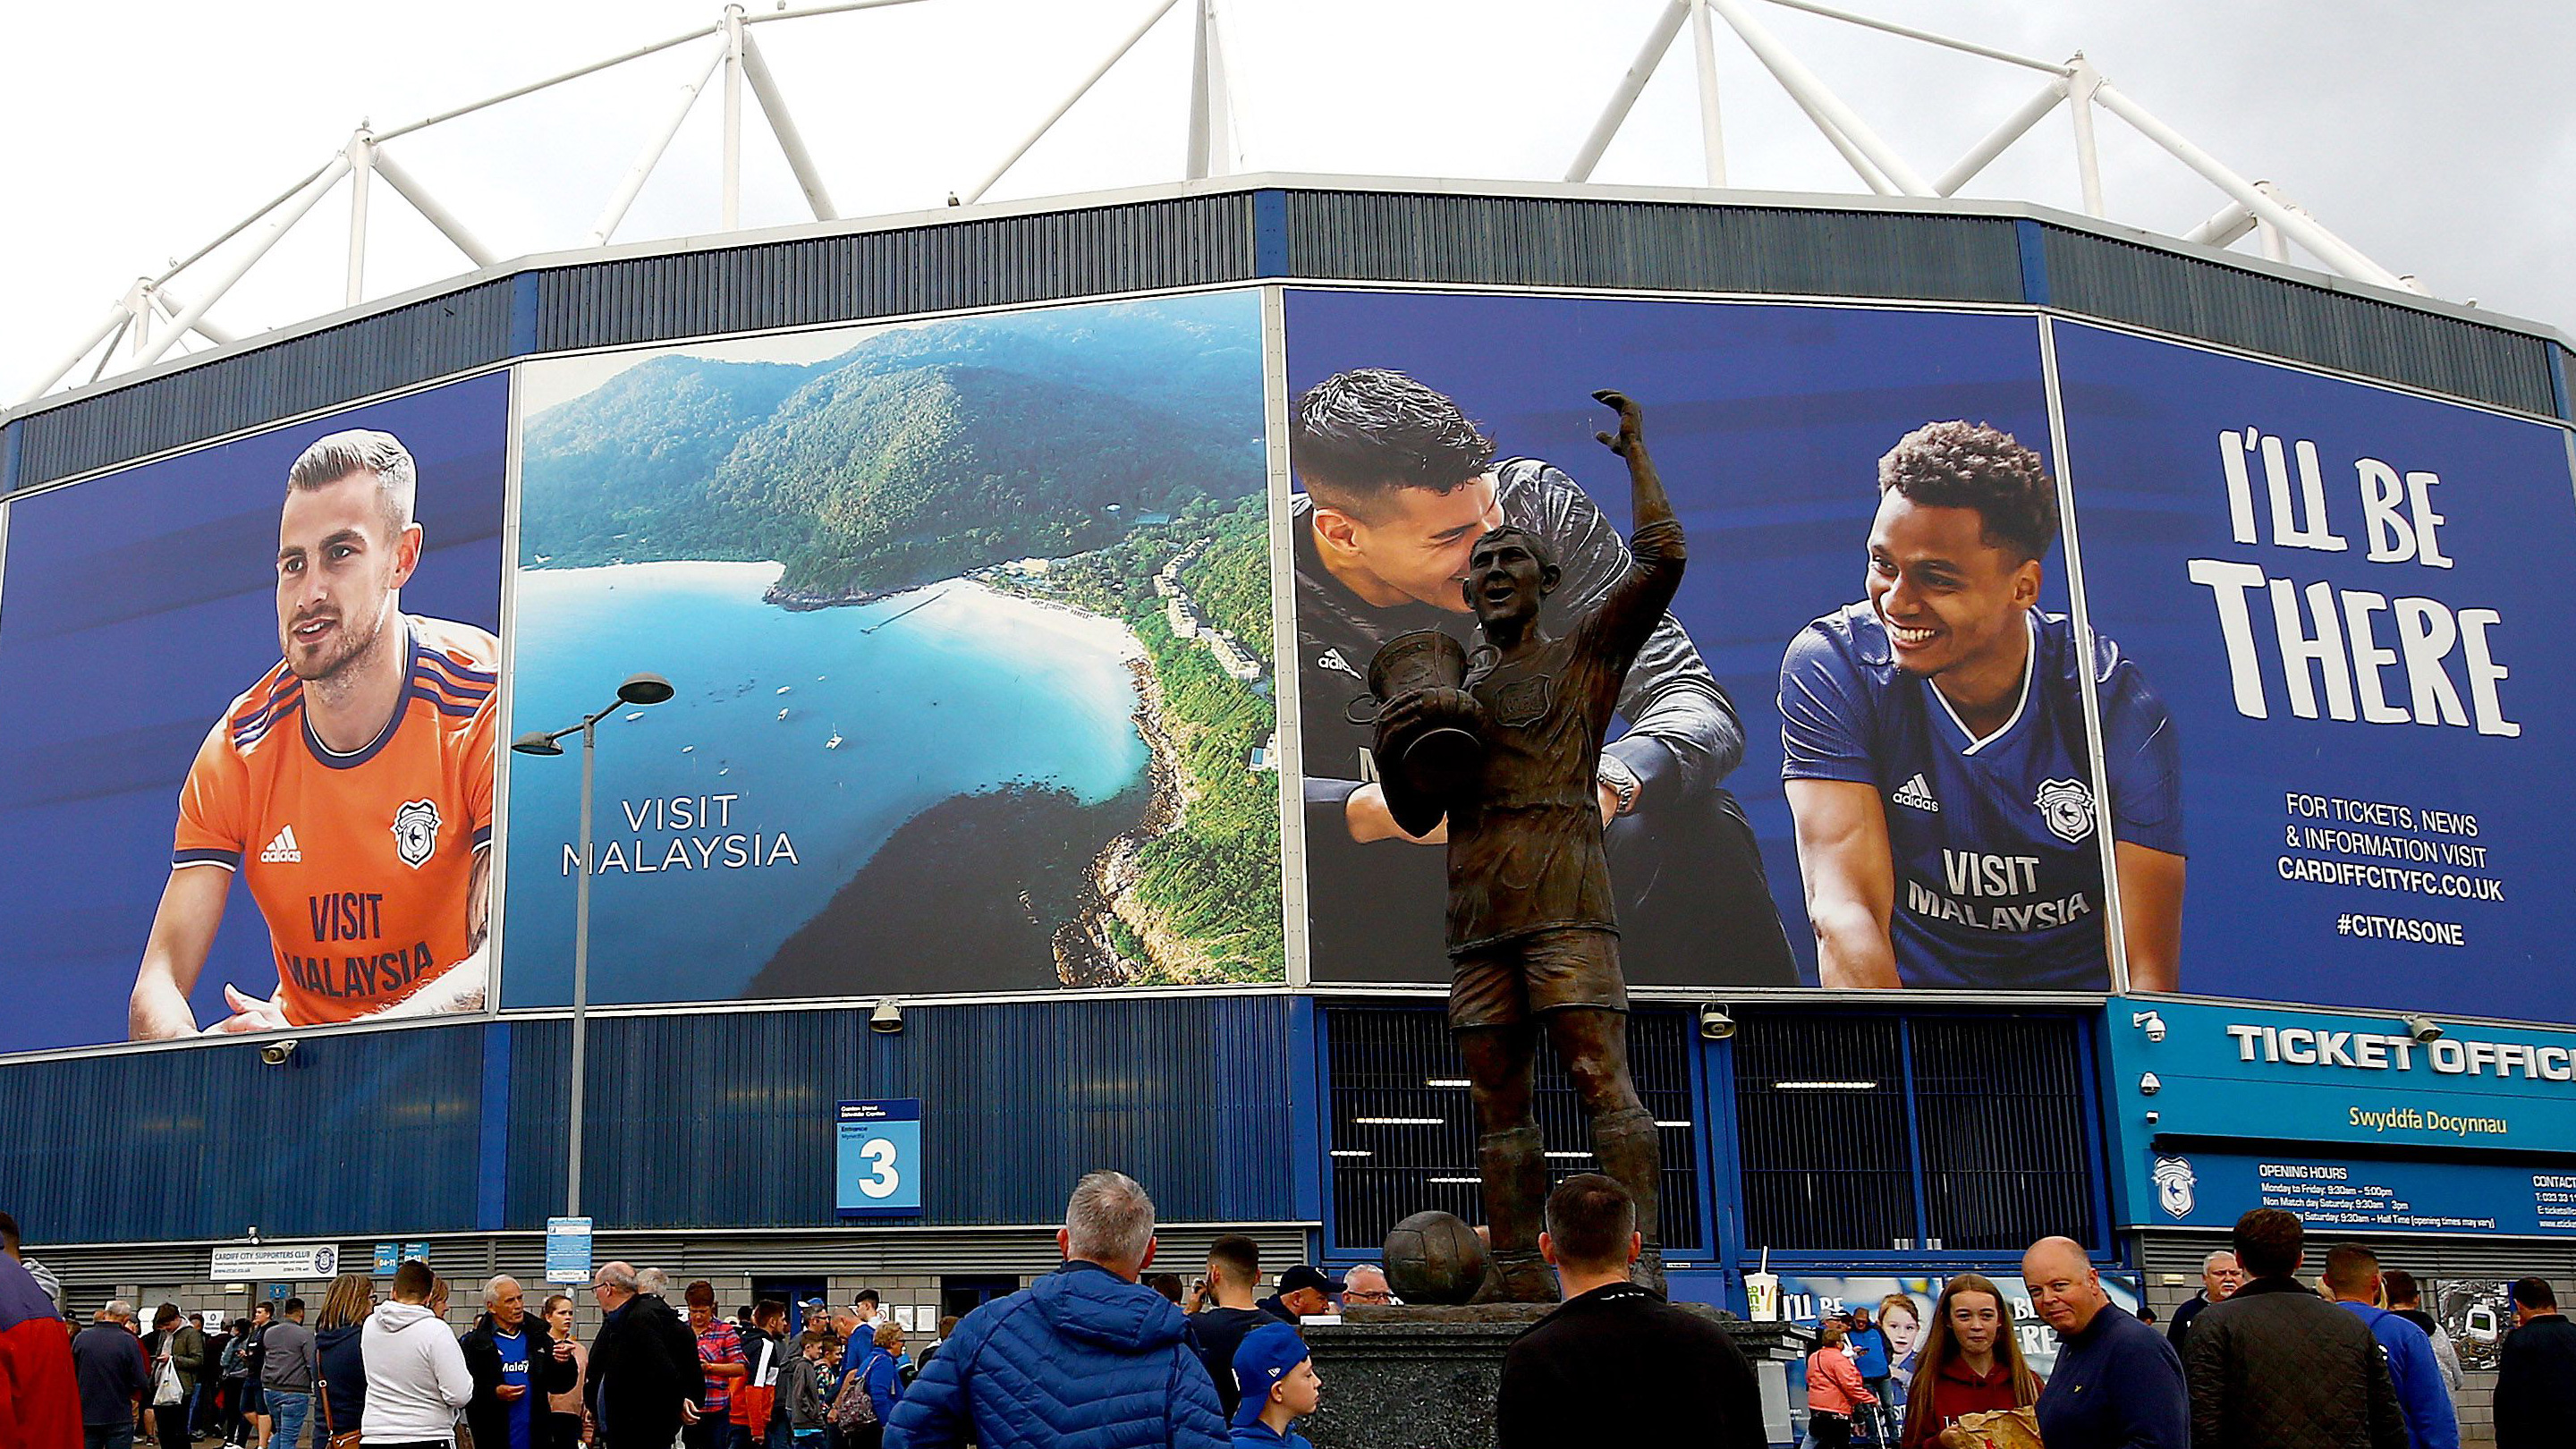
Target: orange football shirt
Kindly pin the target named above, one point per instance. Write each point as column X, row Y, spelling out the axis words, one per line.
column 362, row 863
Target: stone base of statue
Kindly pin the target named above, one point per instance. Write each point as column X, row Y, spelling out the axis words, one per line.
column 1425, row 1378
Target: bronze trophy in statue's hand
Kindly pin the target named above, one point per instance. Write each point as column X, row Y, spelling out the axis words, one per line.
column 1430, row 730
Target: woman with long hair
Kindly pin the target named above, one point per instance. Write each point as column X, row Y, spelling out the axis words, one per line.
column 1970, row 1363
column 566, row 1426
column 336, row 1344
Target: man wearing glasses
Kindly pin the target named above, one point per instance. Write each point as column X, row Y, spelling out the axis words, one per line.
column 1365, row 1287
column 642, row 1385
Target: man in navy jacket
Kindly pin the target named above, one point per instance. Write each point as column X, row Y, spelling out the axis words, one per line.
column 2352, row 1279
column 2117, row 1384
column 1087, row 1358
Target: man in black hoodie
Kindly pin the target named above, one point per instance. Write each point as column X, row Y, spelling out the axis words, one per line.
column 515, row 1363
column 1616, row 1364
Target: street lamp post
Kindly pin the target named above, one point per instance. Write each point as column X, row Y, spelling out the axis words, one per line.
column 639, row 689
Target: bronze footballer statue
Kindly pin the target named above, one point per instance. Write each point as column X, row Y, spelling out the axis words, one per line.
column 1533, row 940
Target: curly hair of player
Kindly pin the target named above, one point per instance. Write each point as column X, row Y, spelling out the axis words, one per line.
column 1971, row 465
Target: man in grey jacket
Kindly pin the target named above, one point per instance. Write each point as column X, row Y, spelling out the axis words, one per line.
column 286, row 1373
column 1398, row 486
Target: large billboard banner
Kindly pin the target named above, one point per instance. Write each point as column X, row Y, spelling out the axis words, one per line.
column 247, row 730
column 2347, row 597
column 969, row 624
column 1872, row 699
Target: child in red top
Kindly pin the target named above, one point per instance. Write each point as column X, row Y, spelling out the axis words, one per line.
column 1971, row 1363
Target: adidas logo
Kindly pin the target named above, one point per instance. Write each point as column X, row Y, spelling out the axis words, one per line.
column 1917, row 793
column 283, row 850
column 1333, row 660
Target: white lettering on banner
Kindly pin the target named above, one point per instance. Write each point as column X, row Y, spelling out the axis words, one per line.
column 2330, row 656
column 2306, row 1046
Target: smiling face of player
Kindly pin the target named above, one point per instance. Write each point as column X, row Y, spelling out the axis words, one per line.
column 1952, row 600
column 1412, row 545
column 341, row 565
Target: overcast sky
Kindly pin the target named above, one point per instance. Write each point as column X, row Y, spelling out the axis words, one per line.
column 2435, row 139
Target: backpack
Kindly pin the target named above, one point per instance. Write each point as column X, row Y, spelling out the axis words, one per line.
column 855, row 1408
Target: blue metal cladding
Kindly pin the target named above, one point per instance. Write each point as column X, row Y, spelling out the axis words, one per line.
column 384, row 351
column 981, row 263
column 708, row 1119
column 2126, row 282
column 1541, row 241
column 353, row 1133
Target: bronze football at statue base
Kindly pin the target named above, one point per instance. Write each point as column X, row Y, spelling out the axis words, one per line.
column 1533, row 940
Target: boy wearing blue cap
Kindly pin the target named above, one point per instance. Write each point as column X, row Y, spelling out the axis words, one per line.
column 1277, row 1376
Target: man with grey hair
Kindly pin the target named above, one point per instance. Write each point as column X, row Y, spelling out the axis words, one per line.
column 2220, row 1277
column 350, row 789
column 515, row 1364
column 108, row 1364
column 642, row 1382
column 1086, row 1358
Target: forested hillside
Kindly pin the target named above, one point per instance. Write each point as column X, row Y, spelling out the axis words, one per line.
column 918, row 454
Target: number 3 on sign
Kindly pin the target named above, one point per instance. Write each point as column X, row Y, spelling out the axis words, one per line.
column 882, row 1177
column 879, row 1168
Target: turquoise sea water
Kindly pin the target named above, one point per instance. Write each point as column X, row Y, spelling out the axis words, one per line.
column 964, row 693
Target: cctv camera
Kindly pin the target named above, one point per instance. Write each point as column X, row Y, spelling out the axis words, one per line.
column 2424, row 1029
column 887, row 1018
column 2148, row 1085
column 1715, row 1024
column 2152, row 1023
column 276, row 1052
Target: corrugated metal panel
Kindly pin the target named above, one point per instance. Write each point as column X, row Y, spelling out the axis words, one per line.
column 355, row 1133
column 2219, row 303
column 717, row 1119
column 1999, row 1103
column 1824, row 1167
column 1535, row 241
column 887, row 273
column 393, row 349
column 1393, row 1062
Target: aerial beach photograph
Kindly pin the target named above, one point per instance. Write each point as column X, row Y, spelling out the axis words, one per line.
column 969, row 624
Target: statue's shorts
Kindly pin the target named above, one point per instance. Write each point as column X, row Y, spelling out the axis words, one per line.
column 1519, row 980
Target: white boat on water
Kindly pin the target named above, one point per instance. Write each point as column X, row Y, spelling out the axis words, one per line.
column 685, row 749
column 782, row 715
column 834, row 742
column 786, row 688
column 635, row 714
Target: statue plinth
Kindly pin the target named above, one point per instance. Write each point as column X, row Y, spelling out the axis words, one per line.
column 1426, row 1377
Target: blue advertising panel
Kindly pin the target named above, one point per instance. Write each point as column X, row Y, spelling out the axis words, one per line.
column 1420, row 419
column 263, row 715
column 877, row 1169
column 2389, row 1124
column 2350, row 599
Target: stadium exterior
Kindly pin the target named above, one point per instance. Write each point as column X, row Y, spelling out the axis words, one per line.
column 707, row 1130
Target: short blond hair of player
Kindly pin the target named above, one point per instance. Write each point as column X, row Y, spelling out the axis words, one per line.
column 350, row 788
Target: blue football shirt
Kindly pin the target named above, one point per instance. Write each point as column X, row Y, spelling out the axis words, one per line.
column 514, row 1370
column 1998, row 868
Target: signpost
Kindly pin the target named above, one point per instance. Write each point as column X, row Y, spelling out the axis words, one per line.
column 568, row 1251
column 878, row 1171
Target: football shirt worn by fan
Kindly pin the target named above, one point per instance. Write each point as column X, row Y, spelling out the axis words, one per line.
column 350, row 788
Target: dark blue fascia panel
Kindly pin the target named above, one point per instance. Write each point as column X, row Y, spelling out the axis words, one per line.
column 356, row 1133
column 725, row 1118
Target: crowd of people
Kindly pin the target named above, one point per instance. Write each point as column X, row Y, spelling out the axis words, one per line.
column 1096, row 1355
column 2259, row 1359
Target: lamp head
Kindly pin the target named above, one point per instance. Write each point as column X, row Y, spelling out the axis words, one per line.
column 644, row 689
column 886, row 1019
column 536, row 742
column 1715, row 1024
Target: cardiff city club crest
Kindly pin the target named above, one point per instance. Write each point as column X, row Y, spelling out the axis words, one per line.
column 416, row 831
column 2174, row 1180
column 2067, row 807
